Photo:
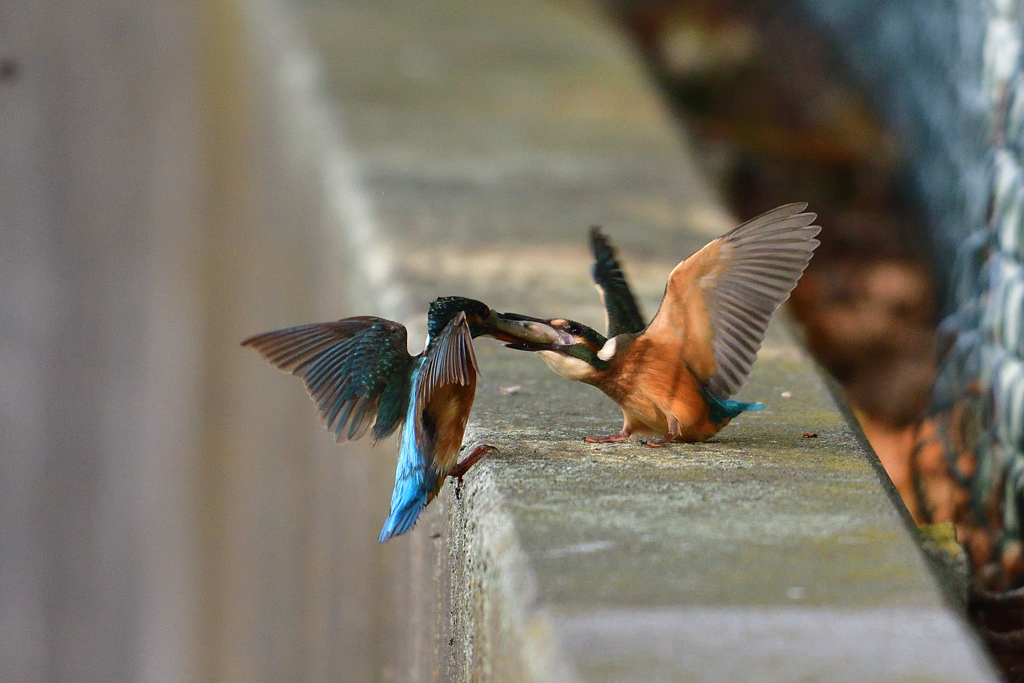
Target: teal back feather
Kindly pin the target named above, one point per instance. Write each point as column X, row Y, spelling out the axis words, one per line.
column 725, row 408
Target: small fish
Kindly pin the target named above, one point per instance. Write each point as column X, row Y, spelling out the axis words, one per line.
column 673, row 377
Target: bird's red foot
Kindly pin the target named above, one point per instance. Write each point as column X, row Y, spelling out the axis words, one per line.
column 460, row 469
column 673, row 432
column 611, row 438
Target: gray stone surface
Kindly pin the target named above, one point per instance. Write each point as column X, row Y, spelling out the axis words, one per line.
column 761, row 555
column 487, row 138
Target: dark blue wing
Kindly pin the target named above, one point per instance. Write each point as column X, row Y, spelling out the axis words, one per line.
column 621, row 309
column 357, row 370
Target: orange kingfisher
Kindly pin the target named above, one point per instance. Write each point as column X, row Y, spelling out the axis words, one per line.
column 359, row 373
column 673, row 377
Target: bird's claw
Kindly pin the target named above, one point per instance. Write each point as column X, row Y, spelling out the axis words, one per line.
column 463, row 466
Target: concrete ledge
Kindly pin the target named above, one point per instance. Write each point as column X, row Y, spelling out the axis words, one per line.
column 762, row 551
column 486, row 139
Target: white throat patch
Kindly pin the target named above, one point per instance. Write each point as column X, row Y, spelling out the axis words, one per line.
column 567, row 366
column 608, row 350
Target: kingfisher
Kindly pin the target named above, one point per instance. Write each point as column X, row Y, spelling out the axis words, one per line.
column 673, row 377
column 360, row 374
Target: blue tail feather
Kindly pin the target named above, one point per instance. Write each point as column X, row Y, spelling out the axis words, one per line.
column 414, row 478
column 404, row 513
column 725, row 408
column 413, row 484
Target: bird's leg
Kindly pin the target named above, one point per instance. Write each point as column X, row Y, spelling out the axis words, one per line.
column 673, row 431
column 612, row 438
column 463, row 466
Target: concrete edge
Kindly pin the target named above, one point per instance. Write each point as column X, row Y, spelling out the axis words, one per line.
column 941, row 571
column 489, row 581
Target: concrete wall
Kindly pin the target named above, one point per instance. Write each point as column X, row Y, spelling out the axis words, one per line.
column 168, row 508
column 101, row 230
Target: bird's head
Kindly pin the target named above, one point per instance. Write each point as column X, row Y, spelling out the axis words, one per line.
column 511, row 328
column 444, row 309
column 578, row 333
column 576, row 352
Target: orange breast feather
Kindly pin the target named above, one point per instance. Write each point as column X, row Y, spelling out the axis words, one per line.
column 447, row 412
column 652, row 384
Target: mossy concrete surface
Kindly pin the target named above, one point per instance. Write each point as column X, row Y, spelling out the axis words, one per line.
column 487, row 137
column 765, row 554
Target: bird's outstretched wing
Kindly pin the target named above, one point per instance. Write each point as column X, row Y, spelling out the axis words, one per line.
column 622, row 313
column 357, row 370
column 719, row 301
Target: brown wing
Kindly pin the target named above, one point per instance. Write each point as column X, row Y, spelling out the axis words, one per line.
column 445, row 391
column 450, row 359
column 718, row 302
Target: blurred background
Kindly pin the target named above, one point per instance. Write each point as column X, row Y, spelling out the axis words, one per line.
column 168, row 510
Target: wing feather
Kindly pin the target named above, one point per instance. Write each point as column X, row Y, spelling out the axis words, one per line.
column 622, row 312
column 721, row 300
column 449, row 360
column 357, row 370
